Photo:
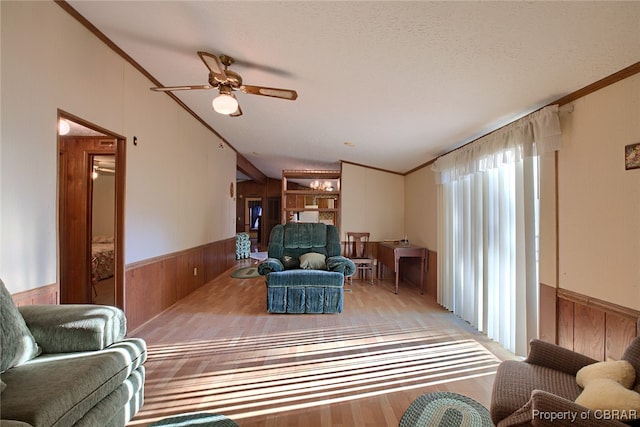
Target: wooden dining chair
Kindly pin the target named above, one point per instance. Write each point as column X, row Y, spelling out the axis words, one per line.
column 357, row 249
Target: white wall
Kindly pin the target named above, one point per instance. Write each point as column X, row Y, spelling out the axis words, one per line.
column 421, row 208
column 599, row 201
column 373, row 201
column 177, row 186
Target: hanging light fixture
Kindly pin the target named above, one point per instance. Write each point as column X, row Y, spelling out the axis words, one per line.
column 226, row 102
column 321, row 186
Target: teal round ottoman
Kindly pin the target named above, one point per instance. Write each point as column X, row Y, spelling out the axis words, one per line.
column 196, row 419
column 445, row 409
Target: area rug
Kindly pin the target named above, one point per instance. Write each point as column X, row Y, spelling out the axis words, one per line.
column 445, row 409
column 245, row 273
column 196, row 419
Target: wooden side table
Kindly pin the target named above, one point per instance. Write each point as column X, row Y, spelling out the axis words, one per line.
column 389, row 254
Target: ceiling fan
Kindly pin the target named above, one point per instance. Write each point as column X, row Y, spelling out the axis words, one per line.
column 227, row 81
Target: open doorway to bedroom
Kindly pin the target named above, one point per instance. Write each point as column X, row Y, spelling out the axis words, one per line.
column 253, row 219
column 103, row 198
column 90, row 213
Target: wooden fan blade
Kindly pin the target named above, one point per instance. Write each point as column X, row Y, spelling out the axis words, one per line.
column 171, row 88
column 261, row 67
column 214, row 65
column 270, row 91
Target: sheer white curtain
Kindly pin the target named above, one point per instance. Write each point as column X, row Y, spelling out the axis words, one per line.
column 487, row 228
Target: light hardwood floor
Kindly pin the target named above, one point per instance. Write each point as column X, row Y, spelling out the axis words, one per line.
column 219, row 351
column 103, row 292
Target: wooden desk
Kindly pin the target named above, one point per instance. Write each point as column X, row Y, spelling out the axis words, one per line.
column 389, row 254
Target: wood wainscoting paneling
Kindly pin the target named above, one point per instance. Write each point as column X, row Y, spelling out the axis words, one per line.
column 564, row 316
column 49, row 294
column 593, row 327
column 153, row 285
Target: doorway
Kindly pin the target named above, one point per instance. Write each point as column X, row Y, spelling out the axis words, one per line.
column 253, row 218
column 90, row 213
column 102, row 255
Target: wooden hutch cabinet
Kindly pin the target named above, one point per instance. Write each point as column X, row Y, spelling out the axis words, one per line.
column 311, row 196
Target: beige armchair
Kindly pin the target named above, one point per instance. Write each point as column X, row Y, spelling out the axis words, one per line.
column 542, row 389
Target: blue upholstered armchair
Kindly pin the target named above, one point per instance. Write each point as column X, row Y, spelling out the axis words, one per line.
column 305, row 271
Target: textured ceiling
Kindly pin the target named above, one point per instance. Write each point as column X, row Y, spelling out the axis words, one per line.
column 400, row 82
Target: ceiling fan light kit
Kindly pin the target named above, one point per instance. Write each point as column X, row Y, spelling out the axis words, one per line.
column 227, row 81
column 225, row 103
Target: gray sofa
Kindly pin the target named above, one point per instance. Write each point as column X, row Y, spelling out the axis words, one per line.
column 68, row 365
column 542, row 389
column 305, row 269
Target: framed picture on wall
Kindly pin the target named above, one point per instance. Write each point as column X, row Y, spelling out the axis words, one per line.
column 632, row 156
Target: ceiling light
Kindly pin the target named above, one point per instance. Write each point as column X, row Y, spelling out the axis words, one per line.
column 321, row 186
column 225, row 103
column 63, row 127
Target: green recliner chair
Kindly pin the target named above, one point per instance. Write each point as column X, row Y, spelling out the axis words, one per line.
column 305, row 270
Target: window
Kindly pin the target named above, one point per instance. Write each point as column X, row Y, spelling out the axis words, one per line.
column 488, row 229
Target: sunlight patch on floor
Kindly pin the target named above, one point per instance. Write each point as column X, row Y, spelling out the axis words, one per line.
column 302, row 369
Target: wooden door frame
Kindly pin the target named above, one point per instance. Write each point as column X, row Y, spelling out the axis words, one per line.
column 120, row 158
